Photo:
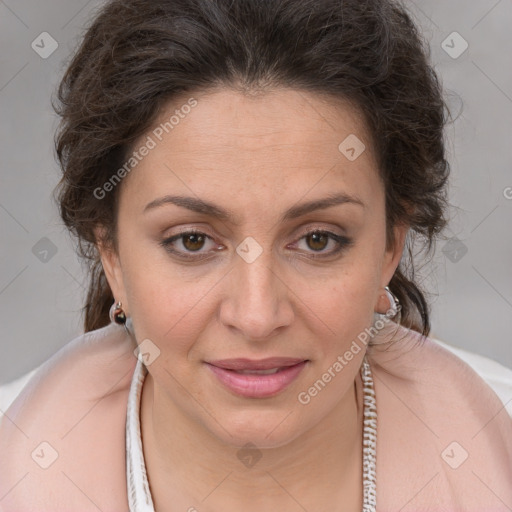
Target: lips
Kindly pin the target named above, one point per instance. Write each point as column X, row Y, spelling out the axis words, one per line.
column 257, row 378
column 252, row 365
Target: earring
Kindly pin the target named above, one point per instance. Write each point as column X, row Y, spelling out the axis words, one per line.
column 381, row 319
column 394, row 303
column 117, row 314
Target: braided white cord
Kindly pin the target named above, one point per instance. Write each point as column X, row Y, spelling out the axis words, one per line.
column 139, row 495
column 369, row 440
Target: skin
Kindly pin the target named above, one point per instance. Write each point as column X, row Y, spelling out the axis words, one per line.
column 256, row 156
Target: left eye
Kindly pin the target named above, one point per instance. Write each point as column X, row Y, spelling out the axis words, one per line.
column 317, row 241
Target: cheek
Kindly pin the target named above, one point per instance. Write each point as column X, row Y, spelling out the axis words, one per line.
column 343, row 305
column 164, row 306
column 164, row 313
column 343, row 311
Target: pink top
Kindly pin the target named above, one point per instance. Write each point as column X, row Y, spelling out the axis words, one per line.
column 444, row 437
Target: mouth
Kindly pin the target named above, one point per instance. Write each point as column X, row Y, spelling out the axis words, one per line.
column 243, row 364
column 270, row 371
column 257, row 379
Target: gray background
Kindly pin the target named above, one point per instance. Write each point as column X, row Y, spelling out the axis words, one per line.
column 470, row 278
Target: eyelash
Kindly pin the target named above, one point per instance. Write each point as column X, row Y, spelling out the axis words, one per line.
column 342, row 241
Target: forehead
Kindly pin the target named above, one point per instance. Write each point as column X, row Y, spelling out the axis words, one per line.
column 230, row 144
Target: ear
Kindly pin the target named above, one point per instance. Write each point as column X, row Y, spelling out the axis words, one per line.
column 111, row 266
column 390, row 263
column 394, row 253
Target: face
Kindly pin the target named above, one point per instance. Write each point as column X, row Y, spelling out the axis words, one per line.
column 253, row 264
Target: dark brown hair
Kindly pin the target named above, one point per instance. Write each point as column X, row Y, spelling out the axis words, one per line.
column 137, row 55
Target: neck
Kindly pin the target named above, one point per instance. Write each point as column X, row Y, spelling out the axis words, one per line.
column 188, row 467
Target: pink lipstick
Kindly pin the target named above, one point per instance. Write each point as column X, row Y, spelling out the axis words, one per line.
column 257, row 378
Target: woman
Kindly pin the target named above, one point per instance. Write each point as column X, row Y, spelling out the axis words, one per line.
column 248, row 180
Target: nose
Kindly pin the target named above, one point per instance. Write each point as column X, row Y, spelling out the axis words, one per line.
column 256, row 301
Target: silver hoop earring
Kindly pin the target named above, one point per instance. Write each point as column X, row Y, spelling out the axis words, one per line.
column 381, row 319
column 394, row 303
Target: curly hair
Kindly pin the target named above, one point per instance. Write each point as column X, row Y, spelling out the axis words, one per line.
column 137, row 55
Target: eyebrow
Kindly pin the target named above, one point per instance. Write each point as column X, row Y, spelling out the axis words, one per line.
column 204, row 207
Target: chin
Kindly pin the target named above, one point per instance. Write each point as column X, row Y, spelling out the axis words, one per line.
column 263, row 430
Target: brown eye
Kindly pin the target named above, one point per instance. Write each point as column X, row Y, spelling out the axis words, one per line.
column 193, row 241
column 325, row 243
column 185, row 244
column 317, row 241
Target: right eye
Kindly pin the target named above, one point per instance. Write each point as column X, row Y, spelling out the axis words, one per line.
column 192, row 242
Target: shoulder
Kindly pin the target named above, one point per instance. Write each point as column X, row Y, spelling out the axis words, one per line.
column 497, row 376
column 442, row 429
column 431, row 369
column 64, row 432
